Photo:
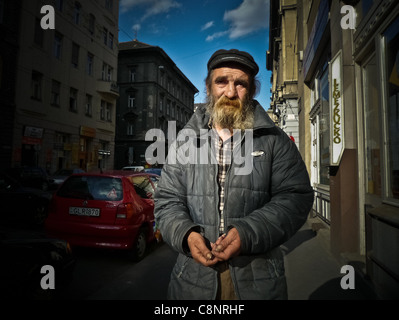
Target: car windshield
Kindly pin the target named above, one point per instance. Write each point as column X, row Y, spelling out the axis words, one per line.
column 92, row 187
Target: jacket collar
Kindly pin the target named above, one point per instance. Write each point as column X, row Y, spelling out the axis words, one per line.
column 200, row 119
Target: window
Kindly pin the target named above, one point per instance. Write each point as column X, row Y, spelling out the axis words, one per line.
column 55, row 93
column 76, row 12
column 391, row 46
column 324, row 130
column 89, row 64
column 108, row 112
column 73, row 100
column 131, row 101
column 161, row 103
column 111, row 41
column 59, row 4
column 132, row 74
column 36, row 85
column 320, row 128
column 109, row 4
column 88, row 107
column 107, row 72
column 372, row 130
column 102, row 110
column 39, row 33
column 57, row 45
column 75, row 55
column 92, row 23
column 105, row 36
column 130, row 129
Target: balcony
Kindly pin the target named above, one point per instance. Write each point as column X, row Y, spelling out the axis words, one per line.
column 108, row 88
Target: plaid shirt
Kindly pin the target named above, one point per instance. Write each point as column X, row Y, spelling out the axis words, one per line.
column 223, row 152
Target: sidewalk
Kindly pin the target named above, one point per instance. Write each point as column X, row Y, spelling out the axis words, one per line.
column 312, row 271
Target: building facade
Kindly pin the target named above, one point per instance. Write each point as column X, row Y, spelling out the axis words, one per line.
column 9, row 28
column 154, row 93
column 66, row 85
column 348, row 84
column 283, row 62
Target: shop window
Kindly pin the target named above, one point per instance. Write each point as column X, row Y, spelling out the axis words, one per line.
column 391, row 44
column 320, row 116
column 372, row 128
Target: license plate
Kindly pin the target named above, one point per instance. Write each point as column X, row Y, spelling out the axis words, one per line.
column 91, row 212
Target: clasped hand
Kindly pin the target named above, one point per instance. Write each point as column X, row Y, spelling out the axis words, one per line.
column 225, row 247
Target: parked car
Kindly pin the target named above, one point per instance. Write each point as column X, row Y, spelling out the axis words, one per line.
column 24, row 253
column 60, row 175
column 133, row 168
column 22, row 205
column 156, row 171
column 33, row 177
column 112, row 209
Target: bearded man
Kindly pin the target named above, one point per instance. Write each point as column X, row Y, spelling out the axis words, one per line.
column 227, row 227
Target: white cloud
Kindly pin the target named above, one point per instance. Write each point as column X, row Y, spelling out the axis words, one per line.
column 216, row 35
column 153, row 7
column 250, row 16
column 207, row 25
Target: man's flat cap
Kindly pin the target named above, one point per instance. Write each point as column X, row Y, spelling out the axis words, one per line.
column 233, row 55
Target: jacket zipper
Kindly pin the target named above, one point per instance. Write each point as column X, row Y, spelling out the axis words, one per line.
column 226, row 183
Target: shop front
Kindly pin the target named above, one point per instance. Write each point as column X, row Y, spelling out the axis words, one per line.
column 377, row 77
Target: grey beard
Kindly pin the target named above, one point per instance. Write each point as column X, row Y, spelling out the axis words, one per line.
column 244, row 120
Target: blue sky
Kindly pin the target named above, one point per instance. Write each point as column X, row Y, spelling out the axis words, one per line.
column 189, row 31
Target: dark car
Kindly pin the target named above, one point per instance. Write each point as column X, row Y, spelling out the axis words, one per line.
column 32, row 265
column 22, row 205
column 32, row 177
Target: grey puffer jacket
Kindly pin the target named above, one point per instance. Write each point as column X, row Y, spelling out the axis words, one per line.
column 267, row 206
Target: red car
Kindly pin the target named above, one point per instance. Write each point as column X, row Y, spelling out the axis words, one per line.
column 112, row 209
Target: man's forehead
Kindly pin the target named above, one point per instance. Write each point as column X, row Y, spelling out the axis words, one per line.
column 230, row 72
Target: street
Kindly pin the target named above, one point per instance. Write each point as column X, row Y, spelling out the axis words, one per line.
column 104, row 274
column 311, row 270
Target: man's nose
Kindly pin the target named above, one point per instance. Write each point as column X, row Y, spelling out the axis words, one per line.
column 231, row 91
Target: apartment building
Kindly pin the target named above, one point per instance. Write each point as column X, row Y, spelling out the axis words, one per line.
column 66, row 85
column 283, row 62
column 154, row 93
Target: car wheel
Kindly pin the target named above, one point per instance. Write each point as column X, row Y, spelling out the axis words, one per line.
column 139, row 248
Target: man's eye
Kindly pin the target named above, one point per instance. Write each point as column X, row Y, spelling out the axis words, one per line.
column 242, row 84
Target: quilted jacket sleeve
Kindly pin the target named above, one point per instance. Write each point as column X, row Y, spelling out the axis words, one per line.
column 171, row 212
column 291, row 200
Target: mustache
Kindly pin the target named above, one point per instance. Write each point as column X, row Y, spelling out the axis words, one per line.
column 224, row 101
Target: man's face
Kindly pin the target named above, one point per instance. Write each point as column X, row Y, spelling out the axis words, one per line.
column 229, row 98
column 230, row 82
